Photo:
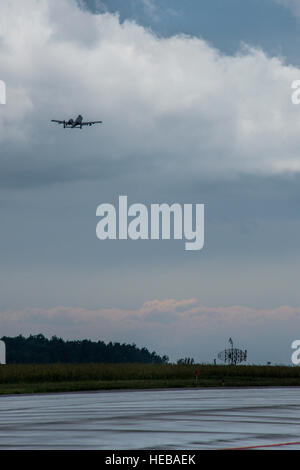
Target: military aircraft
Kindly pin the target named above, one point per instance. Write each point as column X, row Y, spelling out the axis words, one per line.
column 77, row 123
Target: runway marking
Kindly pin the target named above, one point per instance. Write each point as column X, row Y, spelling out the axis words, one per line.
column 263, row 445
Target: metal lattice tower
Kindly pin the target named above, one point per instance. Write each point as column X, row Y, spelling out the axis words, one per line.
column 232, row 355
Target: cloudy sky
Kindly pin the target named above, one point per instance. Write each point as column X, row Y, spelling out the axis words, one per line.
column 195, row 99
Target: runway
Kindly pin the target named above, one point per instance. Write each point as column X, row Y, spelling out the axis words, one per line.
column 181, row 419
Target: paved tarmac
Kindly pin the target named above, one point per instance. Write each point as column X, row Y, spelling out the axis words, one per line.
column 182, row 419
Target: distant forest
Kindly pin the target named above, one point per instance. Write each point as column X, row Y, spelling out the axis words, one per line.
column 40, row 350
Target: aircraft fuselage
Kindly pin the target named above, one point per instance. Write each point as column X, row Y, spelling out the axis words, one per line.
column 74, row 123
column 77, row 123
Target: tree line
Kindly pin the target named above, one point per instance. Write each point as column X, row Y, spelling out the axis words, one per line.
column 40, row 350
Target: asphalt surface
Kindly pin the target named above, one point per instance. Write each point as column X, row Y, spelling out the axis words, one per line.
column 187, row 419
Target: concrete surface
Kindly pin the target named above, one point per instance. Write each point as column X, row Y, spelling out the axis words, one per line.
column 186, row 419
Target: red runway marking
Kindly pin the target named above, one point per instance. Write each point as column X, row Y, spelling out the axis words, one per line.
column 265, row 445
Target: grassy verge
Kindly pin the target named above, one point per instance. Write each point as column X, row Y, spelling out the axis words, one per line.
column 47, row 378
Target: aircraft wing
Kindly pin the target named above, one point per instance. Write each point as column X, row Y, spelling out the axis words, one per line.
column 59, row 122
column 90, row 123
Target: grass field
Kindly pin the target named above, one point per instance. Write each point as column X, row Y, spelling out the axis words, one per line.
column 35, row 378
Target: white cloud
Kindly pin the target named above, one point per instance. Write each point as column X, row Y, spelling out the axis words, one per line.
column 177, row 100
column 173, row 327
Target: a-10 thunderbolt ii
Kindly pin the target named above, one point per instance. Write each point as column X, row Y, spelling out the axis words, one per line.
column 77, row 123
